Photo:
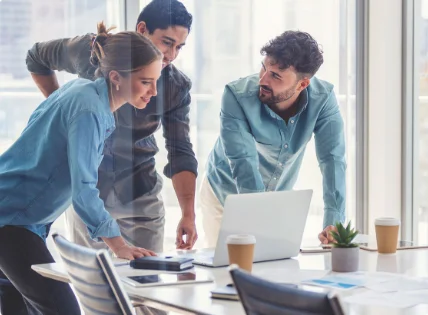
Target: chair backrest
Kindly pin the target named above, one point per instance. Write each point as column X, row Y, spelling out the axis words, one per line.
column 94, row 279
column 261, row 297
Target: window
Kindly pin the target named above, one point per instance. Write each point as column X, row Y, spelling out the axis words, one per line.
column 421, row 123
column 224, row 45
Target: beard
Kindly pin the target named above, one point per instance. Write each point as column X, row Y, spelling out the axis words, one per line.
column 269, row 98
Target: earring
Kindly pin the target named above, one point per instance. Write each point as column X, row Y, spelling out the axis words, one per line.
column 117, row 87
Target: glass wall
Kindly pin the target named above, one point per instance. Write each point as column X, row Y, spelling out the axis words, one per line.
column 224, row 45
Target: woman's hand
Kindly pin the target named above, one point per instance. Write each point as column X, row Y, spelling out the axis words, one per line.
column 132, row 252
column 123, row 250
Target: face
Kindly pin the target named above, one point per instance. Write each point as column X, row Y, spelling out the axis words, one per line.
column 169, row 41
column 278, row 85
column 139, row 86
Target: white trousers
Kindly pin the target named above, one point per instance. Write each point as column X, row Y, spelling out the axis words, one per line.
column 212, row 213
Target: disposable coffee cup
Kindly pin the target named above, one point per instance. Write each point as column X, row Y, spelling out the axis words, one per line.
column 241, row 250
column 387, row 234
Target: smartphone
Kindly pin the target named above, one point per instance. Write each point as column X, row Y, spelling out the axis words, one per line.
column 322, row 248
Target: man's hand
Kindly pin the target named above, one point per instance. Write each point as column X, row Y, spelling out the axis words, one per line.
column 325, row 237
column 187, row 227
column 132, row 252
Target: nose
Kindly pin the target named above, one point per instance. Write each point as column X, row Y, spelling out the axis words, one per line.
column 263, row 79
column 170, row 55
column 153, row 90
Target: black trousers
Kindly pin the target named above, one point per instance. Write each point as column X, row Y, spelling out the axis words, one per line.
column 29, row 292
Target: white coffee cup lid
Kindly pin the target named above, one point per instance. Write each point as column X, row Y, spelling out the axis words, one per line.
column 387, row 221
column 241, row 239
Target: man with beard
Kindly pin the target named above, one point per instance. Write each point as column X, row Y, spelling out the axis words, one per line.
column 266, row 122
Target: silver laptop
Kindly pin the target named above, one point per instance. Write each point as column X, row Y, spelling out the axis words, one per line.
column 276, row 219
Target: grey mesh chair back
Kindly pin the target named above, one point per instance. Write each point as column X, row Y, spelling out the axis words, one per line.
column 94, row 279
column 261, row 297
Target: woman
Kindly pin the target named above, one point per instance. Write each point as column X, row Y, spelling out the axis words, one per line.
column 56, row 159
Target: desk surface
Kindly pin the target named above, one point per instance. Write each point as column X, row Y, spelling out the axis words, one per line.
column 195, row 298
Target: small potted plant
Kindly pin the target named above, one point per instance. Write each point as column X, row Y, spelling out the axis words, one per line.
column 344, row 253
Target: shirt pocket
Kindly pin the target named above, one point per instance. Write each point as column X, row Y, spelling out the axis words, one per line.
column 273, row 141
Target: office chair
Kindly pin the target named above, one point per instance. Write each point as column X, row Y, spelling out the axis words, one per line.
column 94, row 279
column 261, row 297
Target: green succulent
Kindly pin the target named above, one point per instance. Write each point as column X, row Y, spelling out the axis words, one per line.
column 344, row 236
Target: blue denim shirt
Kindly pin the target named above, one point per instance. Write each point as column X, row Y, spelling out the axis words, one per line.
column 257, row 151
column 56, row 159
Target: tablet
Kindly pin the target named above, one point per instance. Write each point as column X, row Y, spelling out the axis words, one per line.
column 166, row 279
column 372, row 246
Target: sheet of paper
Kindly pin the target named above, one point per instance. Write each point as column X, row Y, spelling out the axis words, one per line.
column 351, row 280
column 393, row 299
column 399, row 284
column 402, row 299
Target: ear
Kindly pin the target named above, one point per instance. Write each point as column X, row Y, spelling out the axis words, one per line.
column 115, row 78
column 142, row 28
column 303, row 84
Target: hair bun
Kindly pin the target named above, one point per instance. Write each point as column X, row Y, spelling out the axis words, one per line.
column 98, row 42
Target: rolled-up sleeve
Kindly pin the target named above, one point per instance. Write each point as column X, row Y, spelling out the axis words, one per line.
column 330, row 149
column 239, row 145
column 68, row 54
column 85, row 143
column 176, row 131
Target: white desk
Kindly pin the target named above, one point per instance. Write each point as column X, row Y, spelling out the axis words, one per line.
column 196, row 298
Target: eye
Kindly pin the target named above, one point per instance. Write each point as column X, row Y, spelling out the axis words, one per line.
column 179, row 47
column 146, row 82
column 169, row 44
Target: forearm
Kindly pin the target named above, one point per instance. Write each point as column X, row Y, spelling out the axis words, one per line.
column 334, row 182
column 246, row 175
column 47, row 84
column 185, row 187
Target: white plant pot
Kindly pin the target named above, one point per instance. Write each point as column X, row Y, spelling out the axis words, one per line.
column 345, row 259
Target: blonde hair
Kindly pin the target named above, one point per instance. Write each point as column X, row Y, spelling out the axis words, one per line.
column 123, row 52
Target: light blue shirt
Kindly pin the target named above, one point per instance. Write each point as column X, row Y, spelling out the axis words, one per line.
column 55, row 161
column 257, row 151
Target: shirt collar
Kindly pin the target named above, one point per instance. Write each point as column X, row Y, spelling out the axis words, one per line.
column 302, row 104
column 102, row 90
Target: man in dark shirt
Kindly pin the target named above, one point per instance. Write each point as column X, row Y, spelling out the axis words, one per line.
column 127, row 179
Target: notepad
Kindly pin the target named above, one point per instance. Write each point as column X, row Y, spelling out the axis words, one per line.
column 225, row 293
column 162, row 263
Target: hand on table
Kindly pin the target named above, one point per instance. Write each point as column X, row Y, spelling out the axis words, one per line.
column 325, row 237
column 132, row 252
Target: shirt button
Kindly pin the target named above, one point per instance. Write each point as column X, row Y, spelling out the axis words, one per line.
column 280, row 164
column 286, row 146
column 292, row 121
column 274, row 178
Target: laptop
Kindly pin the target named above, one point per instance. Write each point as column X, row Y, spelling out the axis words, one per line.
column 276, row 219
